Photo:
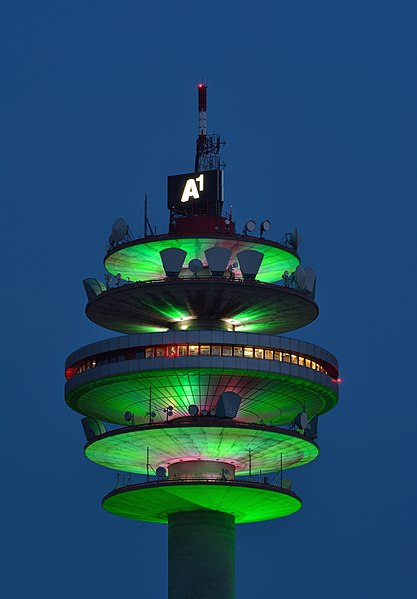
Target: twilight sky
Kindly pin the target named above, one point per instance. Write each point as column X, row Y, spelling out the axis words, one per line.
column 317, row 101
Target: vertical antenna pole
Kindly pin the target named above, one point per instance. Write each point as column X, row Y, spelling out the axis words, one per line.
column 250, row 463
column 202, row 125
column 147, row 464
column 281, row 469
column 150, row 405
column 145, row 219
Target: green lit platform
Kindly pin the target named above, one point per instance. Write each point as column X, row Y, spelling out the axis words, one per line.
column 246, row 501
column 202, row 439
column 267, row 393
column 179, row 303
column 140, row 260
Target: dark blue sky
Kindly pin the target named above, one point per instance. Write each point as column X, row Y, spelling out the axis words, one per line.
column 317, row 101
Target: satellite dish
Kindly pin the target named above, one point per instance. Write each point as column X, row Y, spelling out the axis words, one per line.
column 250, row 226
column 193, row 410
column 128, row 416
column 300, row 277
column 119, row 229
column 265, row 226
column 204, row 412
column 227, row 222
column 161, row 472
column 195, row 265
column 301, row 420
column 287, row 483
column 295, row 239
column 310, row 280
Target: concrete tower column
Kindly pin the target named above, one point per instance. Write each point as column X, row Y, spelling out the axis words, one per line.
column 201, row 555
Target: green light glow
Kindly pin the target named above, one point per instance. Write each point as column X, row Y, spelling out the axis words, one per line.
column 127, row 450
column 142, row 262
column 274, row 398
column 247, row 504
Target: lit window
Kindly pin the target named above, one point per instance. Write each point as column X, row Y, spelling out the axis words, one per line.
column 286, row 357
column 160, row 352
column 259, row 352
column 172, row 350
column 301, row 361
column 216, row 350
column 205, row 350
column 227, row 350
column 308, row 363
column 269, row 354
column 294, row 359
column 150, row 352
column 248, row 351
column 278, row 356
column 93, row 364
column 193, row 350
column 238, row 351
column 182, row 350
column 313, row 365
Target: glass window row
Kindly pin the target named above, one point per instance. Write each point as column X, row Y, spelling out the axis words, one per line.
column 183, row 350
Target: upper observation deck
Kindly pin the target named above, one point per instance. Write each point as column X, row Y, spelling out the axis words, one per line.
column 140, row 260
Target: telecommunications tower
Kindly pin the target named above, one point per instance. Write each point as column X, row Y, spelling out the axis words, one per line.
column 201, row 395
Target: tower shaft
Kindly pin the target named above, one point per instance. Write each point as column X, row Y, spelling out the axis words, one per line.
column 201, row 555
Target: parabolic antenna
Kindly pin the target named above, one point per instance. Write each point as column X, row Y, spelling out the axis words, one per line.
column 250, row 226
column 310, row 280
column 295, row 239
column 287, row 483
column 195, row 265
column 301, row 420
column 161, row 472
column 300, row 276
column 265, row 225
column 193, row 410
column 119, row 229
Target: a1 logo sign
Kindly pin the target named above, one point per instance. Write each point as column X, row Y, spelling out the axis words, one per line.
column 191, row 190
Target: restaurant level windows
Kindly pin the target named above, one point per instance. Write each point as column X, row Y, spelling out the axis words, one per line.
column 286, row 357
column 172, row 351
column 160, row 352
column 204, row 350
column 308, row 363
column 227, row 350
column 294, row 359
column 150, row 352
column 216, row 350
column 269, row 354
column 301, row 361
column 182, row 350
column 238, row 351
column 193, row 350
column 259, row 353
column 248, row 351
column 278, row 355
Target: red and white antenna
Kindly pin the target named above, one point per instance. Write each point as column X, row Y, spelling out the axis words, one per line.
column 202, row 109
column 207, row 156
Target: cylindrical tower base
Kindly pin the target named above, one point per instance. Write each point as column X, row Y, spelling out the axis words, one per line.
column 201, row 555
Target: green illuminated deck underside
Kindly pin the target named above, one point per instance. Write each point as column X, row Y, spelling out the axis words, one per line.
column 271, row 397
column 141, row 261
column 154, row 502
column 125, row 449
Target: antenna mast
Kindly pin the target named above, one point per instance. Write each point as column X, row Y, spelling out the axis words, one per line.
column 207, row 156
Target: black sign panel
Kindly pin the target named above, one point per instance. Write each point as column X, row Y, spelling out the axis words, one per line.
column 194, row 191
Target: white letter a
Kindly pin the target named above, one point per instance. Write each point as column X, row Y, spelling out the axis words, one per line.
column 190, row 191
